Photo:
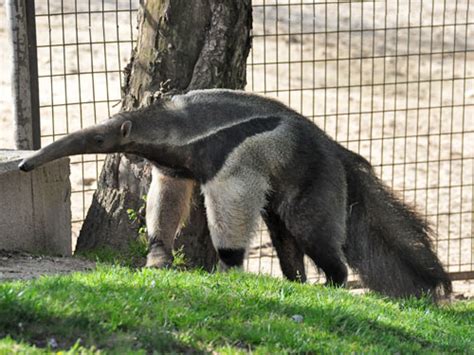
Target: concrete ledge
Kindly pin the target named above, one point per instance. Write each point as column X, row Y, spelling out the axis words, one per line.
column 35, row 207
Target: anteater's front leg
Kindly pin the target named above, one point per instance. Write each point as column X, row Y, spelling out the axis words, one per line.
column 233, row 205
column 168, row 204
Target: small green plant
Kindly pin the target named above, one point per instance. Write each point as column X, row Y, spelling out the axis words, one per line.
column 179, row 258
column 103, row 254
column 138, row 216
column 132, row 215
column 139, row 247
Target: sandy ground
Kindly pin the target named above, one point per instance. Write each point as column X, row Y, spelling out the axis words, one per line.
column 388, row 94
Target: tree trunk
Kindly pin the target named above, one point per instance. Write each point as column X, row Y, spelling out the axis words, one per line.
column 182, row 45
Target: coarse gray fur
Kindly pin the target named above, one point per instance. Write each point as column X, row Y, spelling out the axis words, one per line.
column 253, row 157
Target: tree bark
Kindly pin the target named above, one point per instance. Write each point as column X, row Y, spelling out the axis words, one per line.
column 182, row 45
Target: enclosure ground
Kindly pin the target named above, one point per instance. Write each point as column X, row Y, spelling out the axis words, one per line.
column 24, row 266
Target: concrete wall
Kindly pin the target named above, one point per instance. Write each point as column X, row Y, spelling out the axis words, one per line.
column 35, row 207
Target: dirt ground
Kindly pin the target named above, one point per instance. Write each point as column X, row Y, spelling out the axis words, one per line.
column 391, row 95
column 24, row 266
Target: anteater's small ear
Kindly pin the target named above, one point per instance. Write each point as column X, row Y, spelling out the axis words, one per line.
column 126, row 128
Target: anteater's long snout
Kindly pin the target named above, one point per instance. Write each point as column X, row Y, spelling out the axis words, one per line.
column 25, row 166
column 35, row 160
column 68, row 145
column 95, row 139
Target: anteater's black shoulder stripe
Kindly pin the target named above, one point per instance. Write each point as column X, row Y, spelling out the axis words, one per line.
column 211, row 151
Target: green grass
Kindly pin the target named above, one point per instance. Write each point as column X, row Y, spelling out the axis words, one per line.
column 118, row 310
column 134, row 256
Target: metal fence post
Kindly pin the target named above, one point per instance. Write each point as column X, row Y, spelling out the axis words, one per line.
column 22, row 27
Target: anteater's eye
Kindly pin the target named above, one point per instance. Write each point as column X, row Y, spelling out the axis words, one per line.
column 99, row 139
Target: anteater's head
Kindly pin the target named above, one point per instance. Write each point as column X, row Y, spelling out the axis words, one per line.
column 112, row 136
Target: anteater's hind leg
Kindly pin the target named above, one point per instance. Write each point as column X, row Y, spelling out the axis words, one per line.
column 167, row 209
column 289, row 252
column 233, row 205
column 317, row 221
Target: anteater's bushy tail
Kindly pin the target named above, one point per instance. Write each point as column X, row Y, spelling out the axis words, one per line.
column 388, row 243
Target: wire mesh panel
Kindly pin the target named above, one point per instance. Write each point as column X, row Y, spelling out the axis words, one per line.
column 392, row 80
column 82, row 48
